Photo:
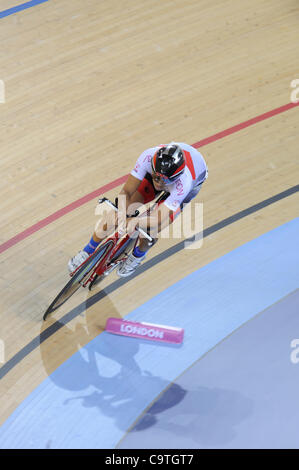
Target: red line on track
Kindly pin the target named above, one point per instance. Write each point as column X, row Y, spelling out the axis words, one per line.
column 83, row 200
column 56, row 215
column 245, row 124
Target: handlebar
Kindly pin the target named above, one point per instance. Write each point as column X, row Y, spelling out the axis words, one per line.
column 115, row 208
column 104, row 199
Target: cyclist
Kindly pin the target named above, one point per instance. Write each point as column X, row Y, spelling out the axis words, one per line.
column 176, row 168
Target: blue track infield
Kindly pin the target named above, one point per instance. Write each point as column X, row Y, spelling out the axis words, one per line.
column 101, row 391
column 242, row 395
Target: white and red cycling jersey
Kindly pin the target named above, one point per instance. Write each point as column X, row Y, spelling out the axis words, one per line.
column 196, row 171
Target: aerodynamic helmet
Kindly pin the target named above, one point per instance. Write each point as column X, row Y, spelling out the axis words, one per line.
column 168, row 163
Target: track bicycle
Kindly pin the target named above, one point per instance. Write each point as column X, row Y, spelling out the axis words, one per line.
column 112, row 251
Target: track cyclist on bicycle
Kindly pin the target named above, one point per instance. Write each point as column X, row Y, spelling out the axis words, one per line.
column 179, row 170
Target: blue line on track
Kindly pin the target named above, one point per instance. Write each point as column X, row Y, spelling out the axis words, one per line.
column 23, row 6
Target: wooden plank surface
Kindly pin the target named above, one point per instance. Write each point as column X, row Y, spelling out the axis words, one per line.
column 89, row 86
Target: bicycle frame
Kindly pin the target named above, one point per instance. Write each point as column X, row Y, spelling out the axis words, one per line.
column 102, row 262
column 103, row 268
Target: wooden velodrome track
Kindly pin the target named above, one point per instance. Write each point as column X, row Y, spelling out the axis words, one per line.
column 90, row 85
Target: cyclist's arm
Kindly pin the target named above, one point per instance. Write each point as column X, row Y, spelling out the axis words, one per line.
column 142, row 166
column 127, row 191
column 130, row 186
column 106, row 225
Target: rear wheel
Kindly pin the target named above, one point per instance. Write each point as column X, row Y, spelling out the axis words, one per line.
column 79, row 278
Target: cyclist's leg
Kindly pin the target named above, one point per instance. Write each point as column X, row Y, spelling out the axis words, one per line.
column 103, row 228
column 148, row 193
column 144, row 194
column 134, row 260
column 107, row 225
column 143, row 245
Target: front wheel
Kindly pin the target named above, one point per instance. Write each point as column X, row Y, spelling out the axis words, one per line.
column 124, row 248
column 96, row 280
column 78, row 278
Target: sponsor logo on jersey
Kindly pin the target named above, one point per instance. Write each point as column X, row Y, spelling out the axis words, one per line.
column 147, row 158
column 179, row 187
